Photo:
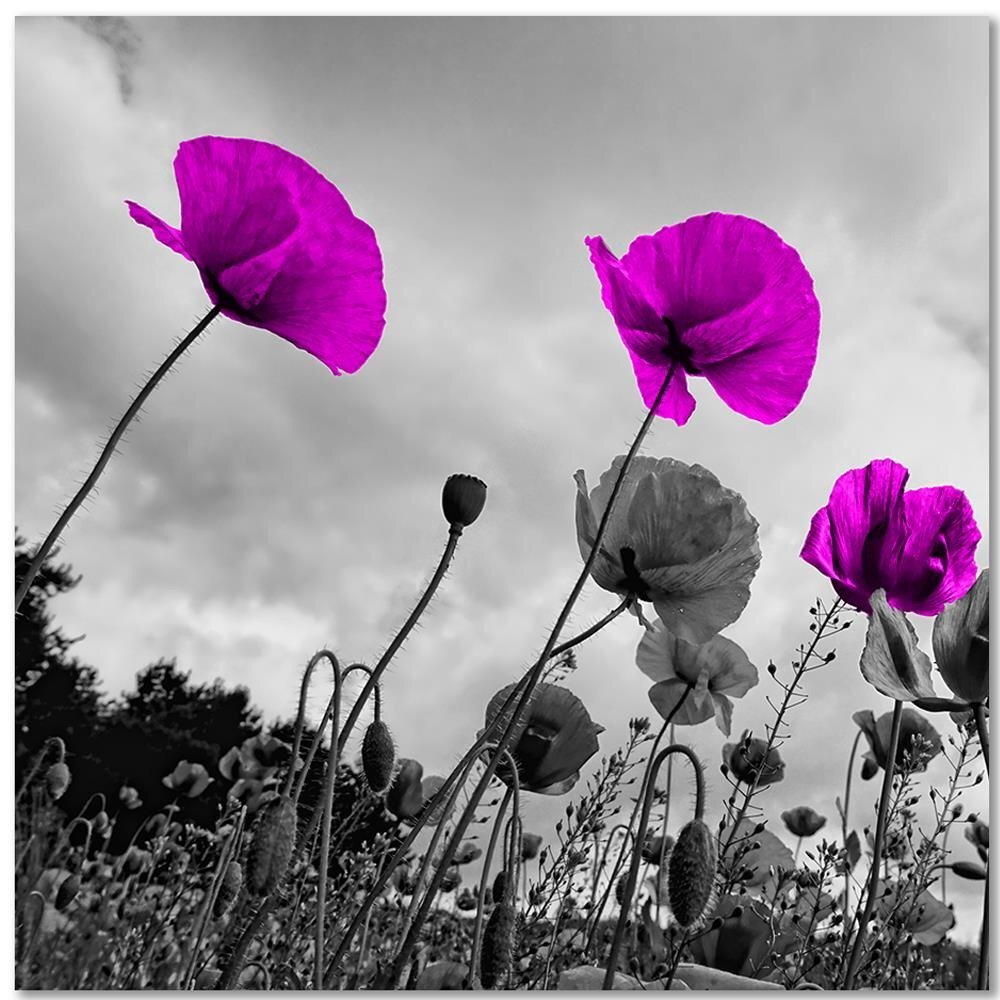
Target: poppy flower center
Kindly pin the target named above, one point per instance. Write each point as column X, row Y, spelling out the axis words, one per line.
column 676, row 350
column 632, row 581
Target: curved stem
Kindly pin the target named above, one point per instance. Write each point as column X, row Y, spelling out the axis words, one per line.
column 640, row 835
column 873, row 875
column 454, row 533
column 109, row 449
column 532, row 678
column 477, row 930
column 327, row 815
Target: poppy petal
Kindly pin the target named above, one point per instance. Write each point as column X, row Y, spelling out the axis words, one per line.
column 962, row 645
column 697, row 706
column 937, row 561
column 167, row 235
column 891, row 660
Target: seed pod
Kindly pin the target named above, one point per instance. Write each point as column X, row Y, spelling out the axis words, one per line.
column 67, row 891
column 378, row 757
column 57, row 779
column 272, row 846
column 229, row 888
column 499, row 886
column 463, row 499
column 620, row 888
column 692, row 868
column 498, row 947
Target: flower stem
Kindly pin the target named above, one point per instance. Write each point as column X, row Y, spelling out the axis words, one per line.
column 640, row 836
column 46, row 547
column 844, row 809
column 454, row 533
column 326, row 819
column 984, row 935
column 873, row 875
column 531, row 679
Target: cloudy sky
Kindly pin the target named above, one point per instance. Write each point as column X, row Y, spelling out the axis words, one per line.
column 262, row 508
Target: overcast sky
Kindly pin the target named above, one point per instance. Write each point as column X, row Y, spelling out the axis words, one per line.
column 263, row 508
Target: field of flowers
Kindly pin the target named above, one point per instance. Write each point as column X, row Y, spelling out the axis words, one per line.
column 309, row 870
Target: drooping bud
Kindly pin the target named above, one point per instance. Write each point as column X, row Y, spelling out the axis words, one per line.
column 498, row 947
column 272, row 846
column 499, row 885
column 621, row 887
column 463, row 499
column 229, row 888
column 378, row 757
column 57, row 779
column 692, row 869
column 67, row 891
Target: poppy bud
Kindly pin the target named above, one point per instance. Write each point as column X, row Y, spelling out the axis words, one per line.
column 378, row 757
column 229, row 888
column 692, row 868
column 498, row 947
column 272, row 846
column 57, row 779
column 969, row 870
column 463, row 499
column 67, row 892
column 499, row 885
column 621, row 886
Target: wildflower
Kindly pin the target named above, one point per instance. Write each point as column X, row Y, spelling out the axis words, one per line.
column 267, row 752
column 916, row 545
column 653, row 847
column 701, row 679
column 918, row 740
column 977, row 833
column 463, row 499
column 802, row 821
column 429, row 787
column 677, row 538
column 721, row 296
column 68, row 890
column 750, row 755
column 467, row 853
column 555, row 738
column 962, row 643
column 129, row 797
column 188, row 779
column 530, row 845
column 691, row 874
column 405, row 797
column 924, row 916
column 277, row 247
column 466, row 900
column 740, row 944
column 452, row 879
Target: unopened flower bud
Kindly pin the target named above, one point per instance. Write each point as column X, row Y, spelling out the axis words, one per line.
column 498, row 947
column 272, row 846
column 57, row 779
column 692, row 869
column 378, row 757
column 229, row 888
column 463, row 499
column 67, row 891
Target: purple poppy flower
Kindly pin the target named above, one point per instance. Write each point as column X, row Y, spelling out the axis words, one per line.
column 917, row 545
column 277, row 247
column 721, row 296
